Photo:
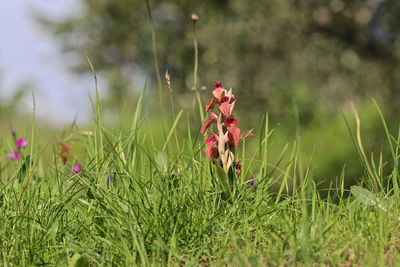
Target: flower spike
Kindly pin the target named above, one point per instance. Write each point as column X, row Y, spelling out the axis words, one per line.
column 221, row 146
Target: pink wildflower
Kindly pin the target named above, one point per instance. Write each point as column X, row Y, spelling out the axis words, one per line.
column 77, row 168
column 21, row 143
column 13, row 156
column 212, row 150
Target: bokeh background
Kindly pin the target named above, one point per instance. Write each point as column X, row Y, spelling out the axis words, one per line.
column 302, row 61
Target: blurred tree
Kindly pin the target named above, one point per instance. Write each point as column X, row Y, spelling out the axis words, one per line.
column 272, row 51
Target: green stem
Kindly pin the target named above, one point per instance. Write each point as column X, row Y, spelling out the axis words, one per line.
column 196, row 65
column 156, row 68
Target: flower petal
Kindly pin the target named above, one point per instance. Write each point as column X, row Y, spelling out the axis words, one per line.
column 210, row 104
column 13, row 156
column 231, row 121
column 213, row 116
column 206, row 125
column 209, row 122
column 77, row 168
column 219, row 94
column 211, row 149
column 226, row 109
column 21, row 143
column 235, row 134
column 246, row 134
column 213, row 136
column 231, row 96
column 210, row 141
column 218, row 85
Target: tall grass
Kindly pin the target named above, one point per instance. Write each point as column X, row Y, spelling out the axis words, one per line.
column 137, row 203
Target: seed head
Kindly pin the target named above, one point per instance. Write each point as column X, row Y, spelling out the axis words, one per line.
column 195, row 17
column 64, row 152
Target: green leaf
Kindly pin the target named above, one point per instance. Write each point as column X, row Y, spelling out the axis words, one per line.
column 223, row 179
column 79, row 261
column 365, row 196
column 173, row 128
column 53, row 229
column 162, row 161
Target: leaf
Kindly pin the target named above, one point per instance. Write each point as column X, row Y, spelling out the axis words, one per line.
column 162, row 161
column 365, row 196
column 223, row 178
column 368, row 198
column 53, row 229
column 79, row 261
column 173, row 128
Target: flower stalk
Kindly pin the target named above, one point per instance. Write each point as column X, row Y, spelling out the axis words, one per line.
column 221, row 146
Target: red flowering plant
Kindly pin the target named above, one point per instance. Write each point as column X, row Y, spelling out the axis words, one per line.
column 221, row 146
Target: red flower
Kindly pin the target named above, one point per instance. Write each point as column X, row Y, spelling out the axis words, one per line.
column 211, row 149
column 238, row 168
column 221, row 147
column 218, row 85
column 213, row 119
column 227, row 109
column 234, row 132
column 219, row 96
column 210, row 104
column 231, row 96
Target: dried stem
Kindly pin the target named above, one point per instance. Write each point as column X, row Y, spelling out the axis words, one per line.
column 168, row 78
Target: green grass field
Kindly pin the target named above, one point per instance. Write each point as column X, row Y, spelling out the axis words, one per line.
column 155, row 199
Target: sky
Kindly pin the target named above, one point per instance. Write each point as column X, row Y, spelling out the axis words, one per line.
column 29, row 54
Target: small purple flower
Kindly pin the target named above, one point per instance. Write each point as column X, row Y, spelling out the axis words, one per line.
column 252, row 181
column 21, row 143
column 77, row 168
column 389, row 196
column 13, row 156
column 109, row 180
column 13, row 132
column 6, row 180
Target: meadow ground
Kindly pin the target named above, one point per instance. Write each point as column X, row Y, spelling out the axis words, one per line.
column 128, row 198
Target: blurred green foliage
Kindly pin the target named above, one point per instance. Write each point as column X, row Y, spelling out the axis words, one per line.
column 272, row 51
column 276, row 54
